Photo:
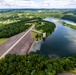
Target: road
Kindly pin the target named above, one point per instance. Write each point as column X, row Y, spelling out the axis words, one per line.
column 11, row 43
column 23, row 46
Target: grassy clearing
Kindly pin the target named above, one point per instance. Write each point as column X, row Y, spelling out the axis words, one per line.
column 71, row 71
column 2, row 40
column 34, row 35
column 74, row 71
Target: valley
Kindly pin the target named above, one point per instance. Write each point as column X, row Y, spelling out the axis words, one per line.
column 22, row 44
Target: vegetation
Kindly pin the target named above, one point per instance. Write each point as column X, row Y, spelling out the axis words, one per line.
column 73, row 71
column 70, row 17
column 9, row 30
column 13, row 22
column 44, row 26
column 69, row 25
column 37, row 36
column 13, row 29
column 2, row 40
column 34, row 35
column 16, row 22
column 34, row 64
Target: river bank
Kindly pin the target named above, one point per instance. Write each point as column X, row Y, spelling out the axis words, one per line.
column 61, row 43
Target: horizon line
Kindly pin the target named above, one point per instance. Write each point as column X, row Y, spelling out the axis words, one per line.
column 37, row 8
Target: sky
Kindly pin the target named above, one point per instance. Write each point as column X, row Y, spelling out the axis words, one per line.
column 37, row 4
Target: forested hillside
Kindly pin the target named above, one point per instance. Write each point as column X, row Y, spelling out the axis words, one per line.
column 18, row 27
column 70, row 17
column 13, row 22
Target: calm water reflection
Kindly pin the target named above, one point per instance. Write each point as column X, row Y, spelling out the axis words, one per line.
column 61, row 43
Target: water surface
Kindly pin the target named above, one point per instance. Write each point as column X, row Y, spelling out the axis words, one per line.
column 61, row 43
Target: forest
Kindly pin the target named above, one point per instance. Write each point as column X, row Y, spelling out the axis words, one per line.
column 34, row 64
column 70, row 17
column 44, row 27
column 12, row 29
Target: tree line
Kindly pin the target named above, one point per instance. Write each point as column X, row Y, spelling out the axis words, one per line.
column 12, row 29
column 35, row 64
column 47, row 27
column 70, row 17
column 69, row 25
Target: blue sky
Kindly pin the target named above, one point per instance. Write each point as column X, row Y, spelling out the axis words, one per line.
column 37, row 3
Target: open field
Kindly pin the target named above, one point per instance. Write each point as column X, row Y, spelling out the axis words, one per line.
column 34, row 35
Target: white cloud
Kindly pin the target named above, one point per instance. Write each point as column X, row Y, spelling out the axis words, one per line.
column 38, row 4
column 70, row 35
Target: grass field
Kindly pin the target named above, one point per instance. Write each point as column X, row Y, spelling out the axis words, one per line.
column 34, row 35
column 2, row 40
column 74, row 71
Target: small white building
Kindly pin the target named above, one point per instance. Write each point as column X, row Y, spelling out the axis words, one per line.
column 44, row 35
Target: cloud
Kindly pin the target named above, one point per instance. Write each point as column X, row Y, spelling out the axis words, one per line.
column 37, row 3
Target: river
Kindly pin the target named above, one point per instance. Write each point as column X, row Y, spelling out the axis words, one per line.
column 61, row 43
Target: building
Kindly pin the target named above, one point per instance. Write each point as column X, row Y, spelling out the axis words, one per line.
column 44, row 35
